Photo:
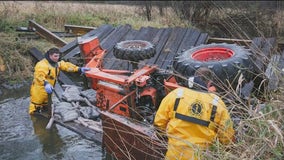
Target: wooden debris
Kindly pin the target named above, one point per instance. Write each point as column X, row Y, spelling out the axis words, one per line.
column 51, row 120
column 78, row 30
column 41, row 31
column 272, row 73
column 97, row 126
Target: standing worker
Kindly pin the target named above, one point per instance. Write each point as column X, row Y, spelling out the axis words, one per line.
column 45, row 75
column 193, row 118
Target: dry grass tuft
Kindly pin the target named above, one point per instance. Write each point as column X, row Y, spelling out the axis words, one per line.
column 55, row 14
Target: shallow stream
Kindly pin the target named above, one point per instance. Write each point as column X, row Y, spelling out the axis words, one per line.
column 24, row 137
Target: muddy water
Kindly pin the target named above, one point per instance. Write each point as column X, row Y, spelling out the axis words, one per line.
column 24, row 137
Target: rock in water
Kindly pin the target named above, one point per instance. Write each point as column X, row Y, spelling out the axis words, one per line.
column 89, row 113
column 71, row 94
column 90, row 94
column 69, row 115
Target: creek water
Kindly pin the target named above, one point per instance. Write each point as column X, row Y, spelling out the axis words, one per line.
column 24, row 137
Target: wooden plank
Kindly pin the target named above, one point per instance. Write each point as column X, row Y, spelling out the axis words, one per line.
column 83, row 131
column 63, row 78
column 166, row 48
column 130, row 35
column 189, row 41
column 68, row 47
column 31, row 35
column 149, row 35
column 255, row 48
column 203, row 39
column 243, row 42
column 109, row 42
column 79, row 30
column 270, row 47
column 152, row 34
column 171, row 47
column 103, row 32
column 36, row 53
column 270, row 63
column 263, row 54
column 262, row 49
column 155, row 41
column 31, row 31
column 43, row 32
column 72, row 53
column 141, row 33
column 272, row 73
column 115, row 36
column 160, row 45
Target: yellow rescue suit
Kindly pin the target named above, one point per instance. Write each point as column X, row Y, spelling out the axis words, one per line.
column 193, row 120
column 44, row 71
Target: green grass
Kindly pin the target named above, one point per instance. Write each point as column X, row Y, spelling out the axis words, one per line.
column 53, row 16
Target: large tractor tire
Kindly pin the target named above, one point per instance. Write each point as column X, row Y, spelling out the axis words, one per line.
column 134, row 50
column 227, row 61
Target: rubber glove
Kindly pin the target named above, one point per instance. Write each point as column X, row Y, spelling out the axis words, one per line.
column 84, row 69
column 48, row 88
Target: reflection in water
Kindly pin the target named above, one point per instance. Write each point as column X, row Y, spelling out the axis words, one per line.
column 50, row 140
column 24, row 137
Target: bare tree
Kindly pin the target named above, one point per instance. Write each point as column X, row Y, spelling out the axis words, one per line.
column 145, row 8
column 192, row 10
column 148, row 6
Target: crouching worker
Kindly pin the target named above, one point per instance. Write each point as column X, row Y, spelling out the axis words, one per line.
column 45, row 75
column 193, row 118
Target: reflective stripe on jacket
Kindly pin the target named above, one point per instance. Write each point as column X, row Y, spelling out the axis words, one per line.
column 194, row 118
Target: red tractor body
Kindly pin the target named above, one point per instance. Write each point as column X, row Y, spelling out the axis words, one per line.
column 120, row 91
column 134, row 95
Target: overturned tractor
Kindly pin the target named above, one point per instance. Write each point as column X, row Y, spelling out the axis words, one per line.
column 134, row 95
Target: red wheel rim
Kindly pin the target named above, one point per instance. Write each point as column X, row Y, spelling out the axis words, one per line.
column 212, row 54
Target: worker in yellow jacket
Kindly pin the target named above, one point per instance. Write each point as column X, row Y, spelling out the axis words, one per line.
column 193, row 119
column 45, row 76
